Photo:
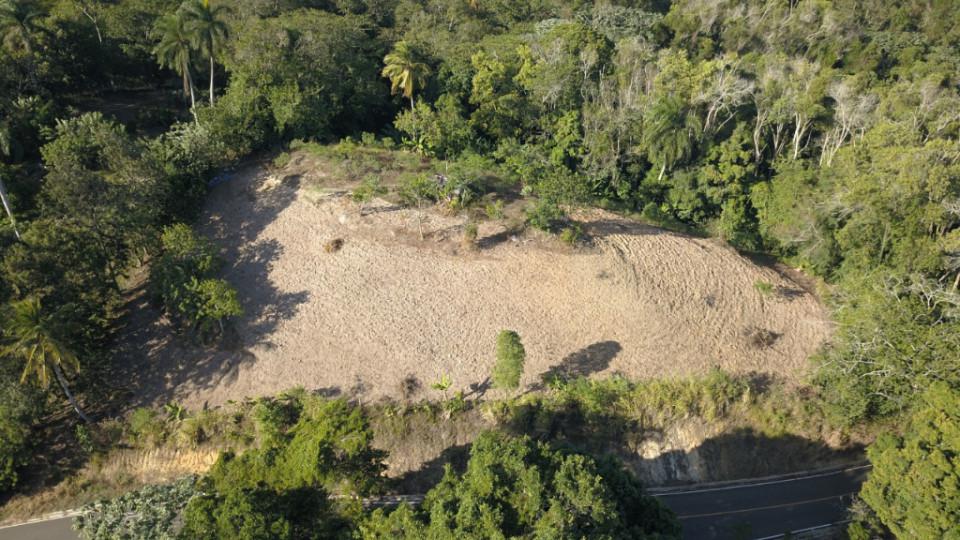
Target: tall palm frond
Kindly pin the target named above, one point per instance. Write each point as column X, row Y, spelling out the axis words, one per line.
column 32, row 340
column 19, row 22
column 406, row 71
column 176, row 49
column 208, row 30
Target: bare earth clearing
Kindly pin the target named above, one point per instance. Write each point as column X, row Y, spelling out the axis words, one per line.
column 639, row 301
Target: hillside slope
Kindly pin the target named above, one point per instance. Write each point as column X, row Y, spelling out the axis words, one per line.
column 388, row 306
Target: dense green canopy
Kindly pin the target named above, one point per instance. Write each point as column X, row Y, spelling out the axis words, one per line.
column 823, row 133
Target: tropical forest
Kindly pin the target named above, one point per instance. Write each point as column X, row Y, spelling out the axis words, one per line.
column 479, row 269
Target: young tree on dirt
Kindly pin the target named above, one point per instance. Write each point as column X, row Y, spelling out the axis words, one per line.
column 510, row 358
column 209, row 302
column 34, row 342
column 208, row 30
column 416, row 191
column 370, row 188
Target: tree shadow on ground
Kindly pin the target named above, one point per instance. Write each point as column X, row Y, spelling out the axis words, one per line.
column 591, row 359
column 431, row 472
column 747, row 454
column 605, row 227
column 478, row 390
column 742, row 453
column 495, row 239
column 739, row 454
column 161, row 363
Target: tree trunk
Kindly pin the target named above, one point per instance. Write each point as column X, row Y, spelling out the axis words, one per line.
column 662, row 170
column 193, row 98
column 420, row 218
column 6, row 206
column 211, row 78
column 66, row 390
column 186, row 86
column 96, row 26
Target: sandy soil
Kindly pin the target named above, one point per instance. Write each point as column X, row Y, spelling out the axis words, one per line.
column 639, row 301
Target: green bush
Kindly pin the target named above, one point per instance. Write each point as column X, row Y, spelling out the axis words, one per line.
column 764, row 288
column 518, row 488
column 329, row 445
column 544, row 215
column 470, row 233
column 147, row 427
column 370, row 188
column 650, row 401
column 274, row 417
column 282, row 160
column 915, row 481
column 280, row 489
column 572, row 235
column 262, row 513
column 181, row 279
column 20, row 407
column 494, row 210
column 510, row 358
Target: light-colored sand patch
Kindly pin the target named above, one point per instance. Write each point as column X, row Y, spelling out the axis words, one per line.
column 641, row 301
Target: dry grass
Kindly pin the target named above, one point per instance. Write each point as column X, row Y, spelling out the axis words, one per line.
column 390, row 305
column 109, row 475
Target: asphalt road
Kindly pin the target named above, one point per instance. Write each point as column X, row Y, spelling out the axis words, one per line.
column 744, row 511
column 766, row 508
column 54, row 529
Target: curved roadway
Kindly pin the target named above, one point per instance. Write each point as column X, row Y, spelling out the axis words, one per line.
column 765, row 508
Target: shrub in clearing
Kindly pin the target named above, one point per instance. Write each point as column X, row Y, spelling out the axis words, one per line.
column 147, row 427
column 544, row 214
column 571, row 235
column 470, row 233
column 510, row 358
column 494, row 210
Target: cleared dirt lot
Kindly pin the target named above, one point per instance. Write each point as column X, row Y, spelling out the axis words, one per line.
column 639, row 301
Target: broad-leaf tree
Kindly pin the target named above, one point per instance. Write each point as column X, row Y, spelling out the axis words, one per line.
column 914, row 487
column 519, row 488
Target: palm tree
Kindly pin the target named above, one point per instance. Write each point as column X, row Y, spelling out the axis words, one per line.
column 175, row 49
column 671, row 127
column 405, row 70
column 19, row 20
column 34, row 343
column 207, row 28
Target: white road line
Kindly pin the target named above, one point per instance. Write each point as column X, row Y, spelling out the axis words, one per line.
column 808, row 529
column 771, row 482
column 42, row 519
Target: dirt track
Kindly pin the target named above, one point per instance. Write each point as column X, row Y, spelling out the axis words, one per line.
column 641, row 301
